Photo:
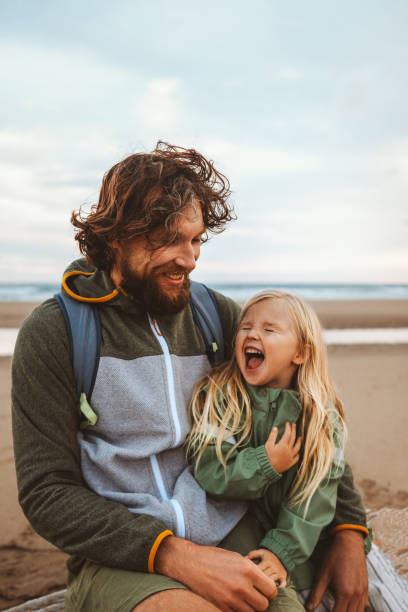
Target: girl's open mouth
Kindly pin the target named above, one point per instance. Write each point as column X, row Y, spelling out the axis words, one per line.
column 253, row 358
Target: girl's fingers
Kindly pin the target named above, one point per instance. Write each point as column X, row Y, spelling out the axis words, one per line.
column 298, row 445
column 264, row 567
column 273, row 435
column 282, row 582
column 286, row 434
column 289, row 434
column 293, row 434
column 256, row 554
column 278, row 577
column 294, row 460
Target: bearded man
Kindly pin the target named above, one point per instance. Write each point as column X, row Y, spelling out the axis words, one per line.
column 116, row 492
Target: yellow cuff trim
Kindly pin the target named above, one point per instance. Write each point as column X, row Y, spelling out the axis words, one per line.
column 352, row 527
column 155, row 547
column 79, row 298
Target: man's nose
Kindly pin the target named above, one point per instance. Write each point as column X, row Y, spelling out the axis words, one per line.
column 186, row 258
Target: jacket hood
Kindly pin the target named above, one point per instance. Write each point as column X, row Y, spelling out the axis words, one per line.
column 85, row 283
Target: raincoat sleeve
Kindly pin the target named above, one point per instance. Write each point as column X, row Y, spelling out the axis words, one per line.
column 246, row 475
column 299, row 527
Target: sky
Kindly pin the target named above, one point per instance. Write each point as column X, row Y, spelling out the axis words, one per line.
column 303, row 105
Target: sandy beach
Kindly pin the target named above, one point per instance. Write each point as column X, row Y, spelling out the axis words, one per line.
column 372, row 382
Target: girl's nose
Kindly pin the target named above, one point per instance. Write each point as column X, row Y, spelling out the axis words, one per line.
column 253, row 333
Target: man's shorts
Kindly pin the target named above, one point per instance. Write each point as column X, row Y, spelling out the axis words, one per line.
column 98, row 588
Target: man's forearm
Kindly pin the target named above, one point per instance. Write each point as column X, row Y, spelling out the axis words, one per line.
column 349, row 507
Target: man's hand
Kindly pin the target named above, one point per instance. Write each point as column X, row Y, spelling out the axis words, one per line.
column 285, row 453
column 344, row 570
column 270, row 564
column 227, row 579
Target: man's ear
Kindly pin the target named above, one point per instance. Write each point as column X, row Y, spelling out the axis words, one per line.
column 302, row 355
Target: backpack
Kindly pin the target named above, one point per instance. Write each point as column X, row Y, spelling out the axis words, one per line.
column 84, row 333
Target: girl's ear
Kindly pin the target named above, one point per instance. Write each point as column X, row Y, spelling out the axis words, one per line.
column 302, row 355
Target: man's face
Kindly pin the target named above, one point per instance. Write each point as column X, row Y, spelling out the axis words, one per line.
column 160, row 278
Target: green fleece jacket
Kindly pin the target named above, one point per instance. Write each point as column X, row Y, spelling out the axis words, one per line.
column 64, row 488
column 291, row 532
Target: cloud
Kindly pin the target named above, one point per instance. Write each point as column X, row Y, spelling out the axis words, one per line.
column 159, row 105
column 289, row 74
column 255, row 161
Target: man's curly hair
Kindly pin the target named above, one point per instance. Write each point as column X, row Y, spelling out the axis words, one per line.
column 147, row 191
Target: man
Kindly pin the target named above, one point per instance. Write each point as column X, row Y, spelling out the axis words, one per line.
column 117, row 493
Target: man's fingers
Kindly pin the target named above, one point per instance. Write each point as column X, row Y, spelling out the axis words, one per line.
column 350, row 604
column 266, row 585
column 319, row 589
column 341, row 605
column 257, row 601
column 298, row 445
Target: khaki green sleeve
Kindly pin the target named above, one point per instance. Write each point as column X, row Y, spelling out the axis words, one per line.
column 247, row 474
column 298, row 527
column 349, row 509
column 52, row 493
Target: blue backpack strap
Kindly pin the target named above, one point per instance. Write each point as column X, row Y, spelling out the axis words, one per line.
column 207, row 318
column 84, row 332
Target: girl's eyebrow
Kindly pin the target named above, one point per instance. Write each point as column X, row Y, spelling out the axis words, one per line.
column 264, row 323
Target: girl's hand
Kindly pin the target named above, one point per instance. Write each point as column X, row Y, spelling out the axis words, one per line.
column 286, row 453
column 270, row 565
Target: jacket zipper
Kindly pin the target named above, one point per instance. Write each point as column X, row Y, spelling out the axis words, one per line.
column 170, row 379
column 181, row 525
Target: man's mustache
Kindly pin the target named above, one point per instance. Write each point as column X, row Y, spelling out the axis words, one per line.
column 170, row 269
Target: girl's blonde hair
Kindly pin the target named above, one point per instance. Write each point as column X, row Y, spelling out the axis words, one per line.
column 221, row 406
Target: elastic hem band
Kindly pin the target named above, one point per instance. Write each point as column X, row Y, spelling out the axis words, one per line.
column 352, row 527
column 154, row 549
column 79, row 298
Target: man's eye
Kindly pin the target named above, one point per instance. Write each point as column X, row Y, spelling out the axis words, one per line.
column 268, row 329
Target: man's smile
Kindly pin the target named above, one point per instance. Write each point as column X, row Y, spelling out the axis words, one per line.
column 174, row 278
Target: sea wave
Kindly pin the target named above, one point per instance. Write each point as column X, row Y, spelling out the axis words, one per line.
column 37, row 292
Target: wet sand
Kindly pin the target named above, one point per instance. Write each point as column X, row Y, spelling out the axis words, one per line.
column 372, row 380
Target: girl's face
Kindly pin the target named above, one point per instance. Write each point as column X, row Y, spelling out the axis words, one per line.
column 266, row 345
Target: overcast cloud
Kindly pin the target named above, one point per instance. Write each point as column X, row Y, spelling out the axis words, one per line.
column 301, row 104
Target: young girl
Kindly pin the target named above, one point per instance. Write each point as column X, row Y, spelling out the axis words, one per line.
column 269, row 427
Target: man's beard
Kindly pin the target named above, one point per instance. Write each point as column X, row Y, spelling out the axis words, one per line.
column 148, row 291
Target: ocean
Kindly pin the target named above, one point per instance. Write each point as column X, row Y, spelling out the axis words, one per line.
column 37, row 292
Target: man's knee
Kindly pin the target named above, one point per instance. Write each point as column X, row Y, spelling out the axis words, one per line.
column 175, row 600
